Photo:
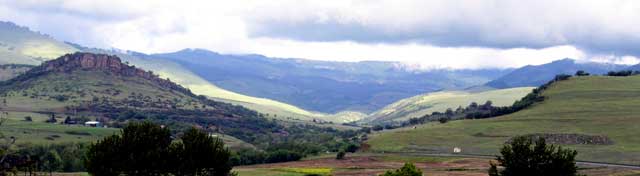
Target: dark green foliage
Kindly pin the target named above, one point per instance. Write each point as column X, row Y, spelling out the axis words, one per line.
column 340, row 155
column 526, row 156
column 200, row 154
column 141, row 148
column 351, row 148
column 623, row 73
column 282, row 156
column 443, row 120
column 378, row 128
column 146, row 149
column 581, row 73
column 66, row 157
column 407, row 170
column 52, row 161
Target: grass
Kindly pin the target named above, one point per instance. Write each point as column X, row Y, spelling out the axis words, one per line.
column 39, row 132
column 420, row 105
column 584, row 105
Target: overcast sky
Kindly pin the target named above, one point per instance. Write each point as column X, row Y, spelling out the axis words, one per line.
column 431, row 33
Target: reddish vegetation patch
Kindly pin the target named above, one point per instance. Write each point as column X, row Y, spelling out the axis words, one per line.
column 373, row 165
column 369, row 165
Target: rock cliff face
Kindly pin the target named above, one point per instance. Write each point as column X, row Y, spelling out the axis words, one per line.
column 102, row 62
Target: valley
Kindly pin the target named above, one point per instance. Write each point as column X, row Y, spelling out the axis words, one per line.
column 318, row 89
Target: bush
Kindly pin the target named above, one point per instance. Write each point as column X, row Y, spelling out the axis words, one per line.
column 443, row 120
column 523, row 157
column 28, row 119
column 340, row 155
column 351, row 148
column 407, row 170
column 378, row 128
column 581, row 73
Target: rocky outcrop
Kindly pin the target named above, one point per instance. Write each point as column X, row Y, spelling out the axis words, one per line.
column 102, row 62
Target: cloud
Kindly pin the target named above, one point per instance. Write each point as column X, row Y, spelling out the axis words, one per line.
column 451, row 34
column 596, row 26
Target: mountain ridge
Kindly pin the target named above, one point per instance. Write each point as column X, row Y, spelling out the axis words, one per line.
column 536, row 75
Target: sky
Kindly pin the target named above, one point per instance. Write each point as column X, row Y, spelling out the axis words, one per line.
column 426, row 33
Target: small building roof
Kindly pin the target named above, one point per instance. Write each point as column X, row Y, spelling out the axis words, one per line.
column 92, row 122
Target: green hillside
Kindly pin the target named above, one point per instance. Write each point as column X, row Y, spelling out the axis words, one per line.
column 420, row 105
column 176, row 73
column 20, row 45
column 591, row 107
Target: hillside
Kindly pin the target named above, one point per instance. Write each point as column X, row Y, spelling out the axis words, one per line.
column 324, row 86
column 19, row 45
column 9, row 71
column 536, row 75
column 87, row 86
column 596, row 115
column 95, row 86
column 420, row 105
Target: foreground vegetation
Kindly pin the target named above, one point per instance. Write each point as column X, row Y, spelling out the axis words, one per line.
column 597, row 107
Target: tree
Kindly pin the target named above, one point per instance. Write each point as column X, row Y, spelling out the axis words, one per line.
column 5, row 144
column 525, row 157
column 378, row 128
column 52, row 118
column 52, row 161
column 340, row 155
column 146, row 149
column 581, row 73
column 407, row 170
column 141, row 149
column 200, row 154
column 443, row 119
column 448, row 112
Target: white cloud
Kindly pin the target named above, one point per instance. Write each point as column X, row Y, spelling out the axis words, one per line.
column 454, row 34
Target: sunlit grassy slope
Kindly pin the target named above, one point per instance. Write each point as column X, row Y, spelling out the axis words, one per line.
column 19, row 45
column 420, row 105
column 606, row 106
column 184, row 77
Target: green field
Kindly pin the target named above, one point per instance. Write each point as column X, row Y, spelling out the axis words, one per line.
column 39, row 132
column 599, row 105
column 420, row 105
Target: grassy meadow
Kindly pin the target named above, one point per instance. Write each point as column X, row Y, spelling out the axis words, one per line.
column 598, row 105
column 420, row 105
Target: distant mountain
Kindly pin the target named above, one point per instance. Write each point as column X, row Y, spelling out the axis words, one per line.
column 324, row 86
column 633, row 67
column 535, row 75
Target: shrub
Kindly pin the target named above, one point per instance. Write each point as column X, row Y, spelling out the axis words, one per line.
column 407, row 170
column 443, row 120
column 525, row 157
column 340, row 155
